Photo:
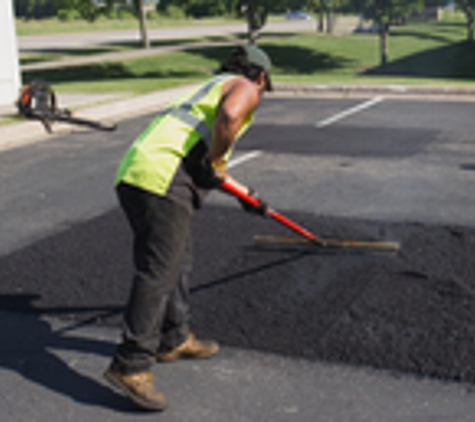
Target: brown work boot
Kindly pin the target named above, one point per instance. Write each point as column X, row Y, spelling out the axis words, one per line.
column 190, row 349
column 139, row 387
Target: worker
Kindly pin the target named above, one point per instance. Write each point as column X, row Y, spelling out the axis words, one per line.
column 163, row 177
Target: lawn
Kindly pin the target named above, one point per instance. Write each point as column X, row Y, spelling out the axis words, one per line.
column 429, row 53
column 418, row 53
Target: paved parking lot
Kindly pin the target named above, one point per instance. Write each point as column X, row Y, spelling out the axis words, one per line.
column 373, row 168
column 396, row 160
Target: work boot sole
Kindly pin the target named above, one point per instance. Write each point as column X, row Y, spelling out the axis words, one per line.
column 122, row 388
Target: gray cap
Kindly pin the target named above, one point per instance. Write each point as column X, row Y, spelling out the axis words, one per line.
column 259, row 57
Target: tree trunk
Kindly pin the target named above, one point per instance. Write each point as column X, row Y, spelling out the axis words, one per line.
column 255, row 20
column 143, row 23
column 330, row 17
column 383, row 36
column 109, row 7
column 470, row 26
column 321, row 11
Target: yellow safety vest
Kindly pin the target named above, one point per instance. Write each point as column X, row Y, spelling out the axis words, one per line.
column 154, row 157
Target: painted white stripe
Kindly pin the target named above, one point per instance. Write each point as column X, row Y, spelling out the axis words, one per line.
column 349, row 112
column 243, row 158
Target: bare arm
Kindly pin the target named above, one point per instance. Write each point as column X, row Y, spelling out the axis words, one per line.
column 240, row 97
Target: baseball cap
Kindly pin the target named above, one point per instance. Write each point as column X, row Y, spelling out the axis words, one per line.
column 259, row 57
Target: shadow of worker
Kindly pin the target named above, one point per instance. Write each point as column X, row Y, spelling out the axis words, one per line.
column 30, row 347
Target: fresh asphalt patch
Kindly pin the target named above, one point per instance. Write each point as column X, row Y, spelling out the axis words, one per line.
column 413, row 312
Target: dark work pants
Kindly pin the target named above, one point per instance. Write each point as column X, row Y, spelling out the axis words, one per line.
column 157, row 313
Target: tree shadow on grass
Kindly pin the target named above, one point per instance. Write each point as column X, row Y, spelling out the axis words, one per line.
column 301, row 60
column 454, row 61
column 50, row 54
column 103, row 71
column 439, row 37
column 446, row 33
column 286, row 59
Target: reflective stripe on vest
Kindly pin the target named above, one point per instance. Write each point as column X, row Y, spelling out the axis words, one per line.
column 183, row 113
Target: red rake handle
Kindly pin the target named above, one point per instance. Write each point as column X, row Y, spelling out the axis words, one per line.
column 293, row 226
column 271, row 213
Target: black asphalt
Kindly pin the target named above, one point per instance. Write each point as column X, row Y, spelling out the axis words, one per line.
column 308, row 335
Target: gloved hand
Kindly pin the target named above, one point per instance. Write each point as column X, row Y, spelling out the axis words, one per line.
column 203, row 173
column 260, row 209
column 211, row 178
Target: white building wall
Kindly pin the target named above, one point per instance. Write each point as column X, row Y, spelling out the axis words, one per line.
column 9, row 68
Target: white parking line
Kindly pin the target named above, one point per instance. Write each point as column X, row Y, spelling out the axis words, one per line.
column 245, row 157
column 348, row 112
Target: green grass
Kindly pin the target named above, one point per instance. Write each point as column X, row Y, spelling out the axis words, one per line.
column 434, row 53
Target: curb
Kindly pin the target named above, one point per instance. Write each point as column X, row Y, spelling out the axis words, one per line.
column 387, row 90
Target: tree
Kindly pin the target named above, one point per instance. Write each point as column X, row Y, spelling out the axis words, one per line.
column 139, row 7
column 77, row 8
column 384, row 13
column 468, row 8
column 34, row 8
column 256, row 12
column 326, row 12
column 329, row 9
column 321, row 14
column 200, row 8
